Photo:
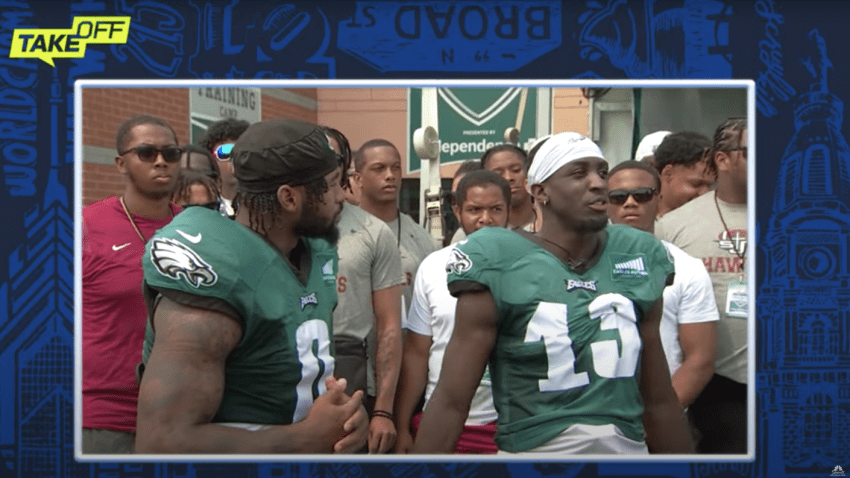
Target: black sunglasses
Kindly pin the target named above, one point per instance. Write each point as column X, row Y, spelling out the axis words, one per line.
column 618, row 197
column 148, row 153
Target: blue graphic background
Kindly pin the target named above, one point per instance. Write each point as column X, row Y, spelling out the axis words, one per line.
column 803, row 396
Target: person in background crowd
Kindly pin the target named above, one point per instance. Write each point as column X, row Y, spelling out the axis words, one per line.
column 682, row 163
column 196, row 158
column 369, row 311
column 511, row 163
column 237, row 351
column 200, row 161
column 483, row 200
column 219, row 140
column 378, row 172
column 115, row 231
column 194, row 188
column 465, row 167
column 689, row 321
column 645, row 151
column 578, row 289
column 713, row 228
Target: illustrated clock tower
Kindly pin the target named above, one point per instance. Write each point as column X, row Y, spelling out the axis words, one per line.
column 804, row 304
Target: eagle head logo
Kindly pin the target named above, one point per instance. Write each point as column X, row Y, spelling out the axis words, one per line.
column 173, row 259
column 458, row 262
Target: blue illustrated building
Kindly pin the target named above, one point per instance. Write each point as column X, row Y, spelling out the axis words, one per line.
column 804, row 313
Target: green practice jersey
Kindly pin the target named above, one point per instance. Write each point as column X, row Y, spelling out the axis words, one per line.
column 279, row 366
column 568, row 344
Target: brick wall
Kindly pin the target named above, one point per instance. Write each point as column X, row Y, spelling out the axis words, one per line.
column 100, row 181
column 275, row 108
column 105, row 108
column 360, row 113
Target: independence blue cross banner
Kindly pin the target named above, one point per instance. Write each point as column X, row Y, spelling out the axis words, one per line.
column 472, row 120
column 791, row 49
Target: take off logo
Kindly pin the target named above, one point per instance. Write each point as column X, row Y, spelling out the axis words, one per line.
column 47, row 44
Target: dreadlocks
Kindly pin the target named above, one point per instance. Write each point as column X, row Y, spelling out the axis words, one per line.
column 264, row 208
column 726, row 137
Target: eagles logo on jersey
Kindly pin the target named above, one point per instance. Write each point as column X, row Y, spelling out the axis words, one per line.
column 458, row 262
column 173, row 259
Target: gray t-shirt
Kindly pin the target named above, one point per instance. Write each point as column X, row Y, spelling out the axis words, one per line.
column 368, row 261
column 697, row 229
column 415, row 244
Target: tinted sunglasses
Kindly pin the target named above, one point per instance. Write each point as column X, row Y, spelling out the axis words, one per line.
column 148, row 153
column 222, row 153
column 618, row 197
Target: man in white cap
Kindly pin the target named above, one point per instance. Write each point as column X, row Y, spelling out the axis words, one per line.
column 569, row 318
column 645, row 151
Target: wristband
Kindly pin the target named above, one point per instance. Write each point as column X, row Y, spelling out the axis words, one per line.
column 384, row 414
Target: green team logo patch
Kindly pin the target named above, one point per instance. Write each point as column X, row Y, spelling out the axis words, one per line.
column 631, row 267
column 309, row 299
column 175, row 260
column 458, row 262
column 328, row 271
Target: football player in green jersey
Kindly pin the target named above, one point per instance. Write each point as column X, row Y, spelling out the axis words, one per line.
column 237, row 351
column 569, row 319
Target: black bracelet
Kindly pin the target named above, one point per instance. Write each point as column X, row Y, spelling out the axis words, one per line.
column 383, row 413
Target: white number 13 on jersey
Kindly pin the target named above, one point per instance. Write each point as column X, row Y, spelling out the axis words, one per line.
column 551, row 325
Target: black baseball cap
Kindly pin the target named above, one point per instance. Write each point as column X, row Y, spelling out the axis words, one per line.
column 276, row 152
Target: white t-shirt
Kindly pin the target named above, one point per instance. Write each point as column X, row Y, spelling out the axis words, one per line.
column 432, row 313
column 697, row 229
column 689, row 300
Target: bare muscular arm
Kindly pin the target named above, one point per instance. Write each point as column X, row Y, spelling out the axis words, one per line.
column 183, row 384
column 663, row 418
column 387, row 306
column 472, row 340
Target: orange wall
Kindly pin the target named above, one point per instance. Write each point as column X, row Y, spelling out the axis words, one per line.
column 362, row 114
column 570, row 111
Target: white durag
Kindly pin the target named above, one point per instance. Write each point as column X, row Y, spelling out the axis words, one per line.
column 559, row 150
column 647, row 145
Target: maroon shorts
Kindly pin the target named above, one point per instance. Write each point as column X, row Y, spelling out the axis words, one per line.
column 474, row 439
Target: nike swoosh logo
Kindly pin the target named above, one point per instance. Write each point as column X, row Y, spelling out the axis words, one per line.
column 193, row 239
column 118, row 248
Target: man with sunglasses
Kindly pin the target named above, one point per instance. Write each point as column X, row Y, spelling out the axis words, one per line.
column 115, row 231
column 237, row 352
column 568, row 319
column 219, row 141
column 713, row 228
column 689, row 320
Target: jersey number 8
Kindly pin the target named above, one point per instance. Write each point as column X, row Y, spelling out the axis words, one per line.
column 311, row 384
